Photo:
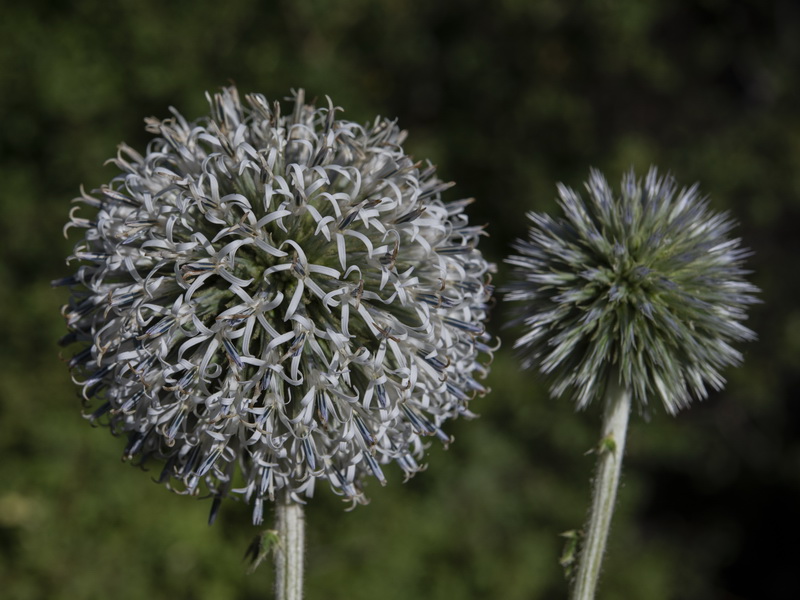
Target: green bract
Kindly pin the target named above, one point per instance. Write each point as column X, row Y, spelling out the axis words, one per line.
column 646, row 287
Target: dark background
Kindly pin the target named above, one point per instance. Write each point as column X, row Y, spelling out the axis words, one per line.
column 507, row 98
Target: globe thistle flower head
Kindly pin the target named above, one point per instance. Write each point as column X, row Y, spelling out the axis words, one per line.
column 644, row 286
column 263, row 300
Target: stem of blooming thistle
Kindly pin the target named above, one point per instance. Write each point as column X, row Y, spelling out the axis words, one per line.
column 609, row 465
column 290, row 523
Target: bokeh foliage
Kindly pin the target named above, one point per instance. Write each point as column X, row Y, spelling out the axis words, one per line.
column 507, row 98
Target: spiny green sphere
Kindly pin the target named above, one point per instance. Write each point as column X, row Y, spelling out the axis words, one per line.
column 645, row 287
column 265, row 300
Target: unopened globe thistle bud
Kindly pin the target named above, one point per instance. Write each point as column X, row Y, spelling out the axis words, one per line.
column 265, row 299
column 645, row 287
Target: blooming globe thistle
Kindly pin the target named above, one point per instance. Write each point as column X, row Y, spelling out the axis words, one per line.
column 263, row 300
column 645, row 287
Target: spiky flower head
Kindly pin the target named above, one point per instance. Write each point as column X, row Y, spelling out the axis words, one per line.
column 265, row 299
column 645, row 287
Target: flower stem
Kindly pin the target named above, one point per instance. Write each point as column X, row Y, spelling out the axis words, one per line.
column 609, row 465
column 290, row 523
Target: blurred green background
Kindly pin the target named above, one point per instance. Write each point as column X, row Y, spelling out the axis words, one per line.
column 507, row 98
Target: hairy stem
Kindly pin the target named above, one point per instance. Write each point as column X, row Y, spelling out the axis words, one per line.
column 609, row 465
column 290, row 523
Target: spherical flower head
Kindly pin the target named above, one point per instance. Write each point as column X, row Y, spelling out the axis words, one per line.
column 265, row 299
column 645, row 287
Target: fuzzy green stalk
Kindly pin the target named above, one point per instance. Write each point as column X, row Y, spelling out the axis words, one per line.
column 289, row 553
column 606, row 482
